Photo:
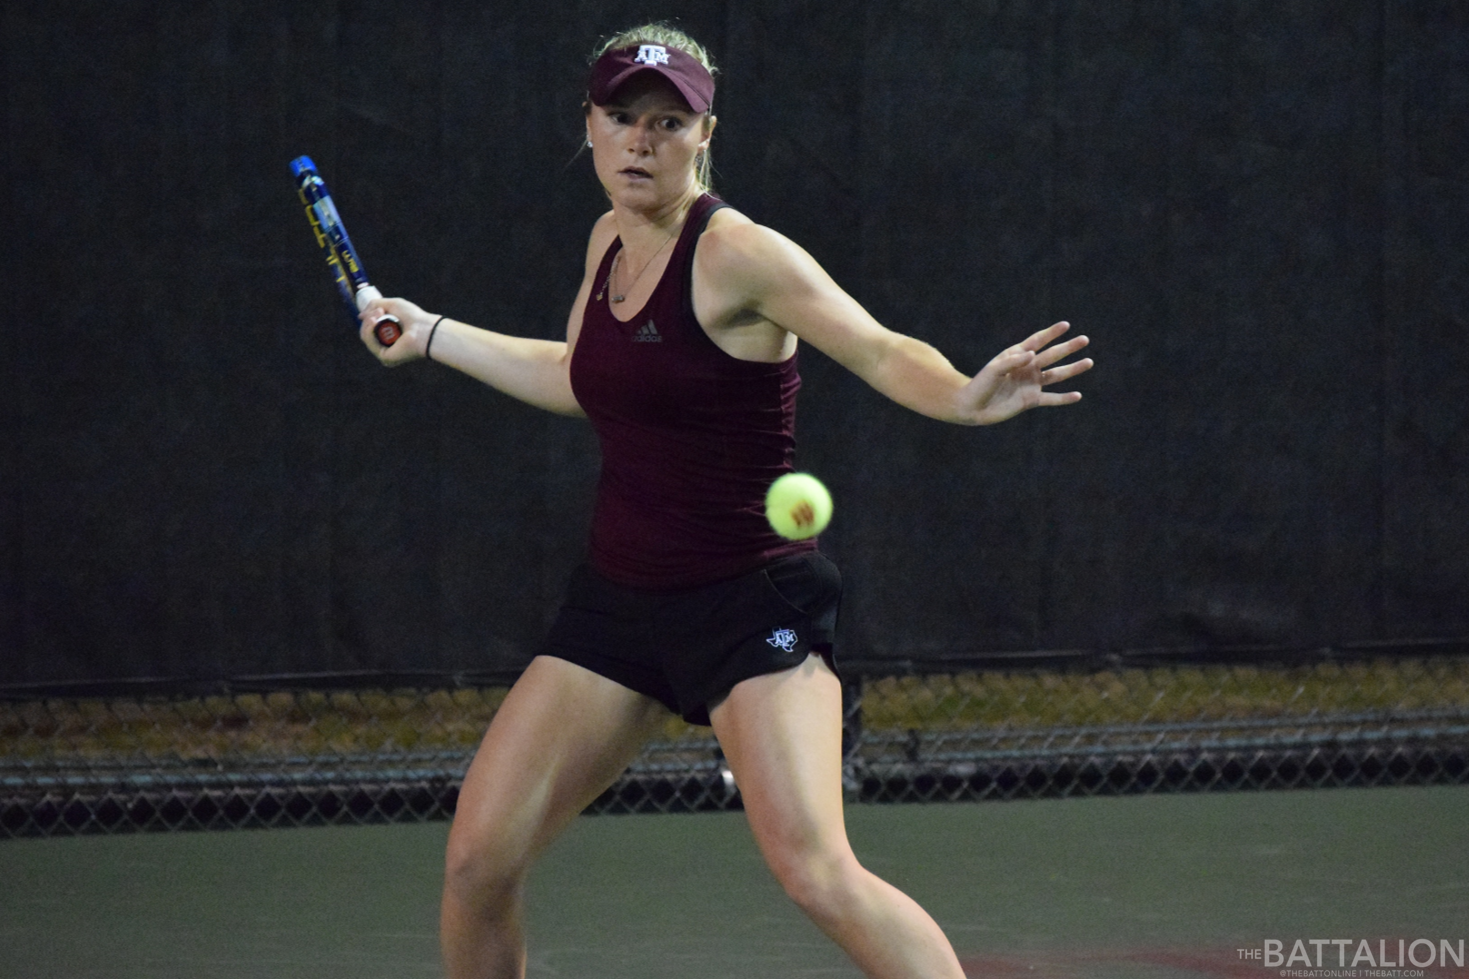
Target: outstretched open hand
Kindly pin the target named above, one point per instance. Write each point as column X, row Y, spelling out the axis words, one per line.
column 1015, row 381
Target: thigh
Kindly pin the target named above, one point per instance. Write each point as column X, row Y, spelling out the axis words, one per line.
column 561, row 737
column 782, row 736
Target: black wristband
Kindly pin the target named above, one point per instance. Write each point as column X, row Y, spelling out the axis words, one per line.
column 430, row 345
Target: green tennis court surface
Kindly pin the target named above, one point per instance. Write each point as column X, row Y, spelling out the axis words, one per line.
column 1144, row 887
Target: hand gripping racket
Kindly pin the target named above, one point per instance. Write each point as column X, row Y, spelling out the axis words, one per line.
column 341, row 257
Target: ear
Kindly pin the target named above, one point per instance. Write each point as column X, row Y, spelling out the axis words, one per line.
column 710, row 121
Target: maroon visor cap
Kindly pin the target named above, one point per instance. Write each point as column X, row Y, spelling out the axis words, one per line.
column 692, row 79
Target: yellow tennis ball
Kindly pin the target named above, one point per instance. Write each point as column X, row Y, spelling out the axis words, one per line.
column 798, row 506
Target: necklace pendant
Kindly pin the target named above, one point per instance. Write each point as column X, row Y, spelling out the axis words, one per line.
column 618, row 299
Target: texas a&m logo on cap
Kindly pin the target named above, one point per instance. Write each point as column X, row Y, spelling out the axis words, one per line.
column 651, row 54
column 616, row 66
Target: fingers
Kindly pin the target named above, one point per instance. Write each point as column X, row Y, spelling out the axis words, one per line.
column 374, row 313
column 1050, row 399
column 1045, row 358
column 1013, row 359
column 367, row 320
column 1045, row 337
column 1065, row 371
column 1047, row 355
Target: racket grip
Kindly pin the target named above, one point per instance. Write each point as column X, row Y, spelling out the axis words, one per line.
column 388, row 329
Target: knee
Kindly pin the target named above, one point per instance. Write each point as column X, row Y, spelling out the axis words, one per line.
column 822, row 882
column 483, row 869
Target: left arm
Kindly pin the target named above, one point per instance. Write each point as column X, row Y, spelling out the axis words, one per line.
column 765, row 273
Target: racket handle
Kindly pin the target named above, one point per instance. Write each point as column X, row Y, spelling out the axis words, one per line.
column 388, row 329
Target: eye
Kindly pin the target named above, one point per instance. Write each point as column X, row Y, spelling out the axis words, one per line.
column 672, row 124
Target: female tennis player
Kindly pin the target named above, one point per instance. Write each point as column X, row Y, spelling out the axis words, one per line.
column 681, row 350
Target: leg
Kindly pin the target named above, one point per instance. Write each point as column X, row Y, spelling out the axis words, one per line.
column 560, row 738
column 782, row 736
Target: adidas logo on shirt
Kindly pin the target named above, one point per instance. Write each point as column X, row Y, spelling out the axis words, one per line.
column 647, row 333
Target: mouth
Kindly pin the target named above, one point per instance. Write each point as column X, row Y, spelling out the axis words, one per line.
column 637, row 172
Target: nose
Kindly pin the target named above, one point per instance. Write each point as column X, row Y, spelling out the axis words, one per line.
column 642, row 141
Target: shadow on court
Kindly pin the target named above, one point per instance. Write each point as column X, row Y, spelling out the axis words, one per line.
column 1146, row 887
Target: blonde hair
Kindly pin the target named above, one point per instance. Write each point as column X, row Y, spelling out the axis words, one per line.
column 670, row 37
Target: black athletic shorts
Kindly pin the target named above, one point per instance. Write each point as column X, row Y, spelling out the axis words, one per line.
column 688, row 648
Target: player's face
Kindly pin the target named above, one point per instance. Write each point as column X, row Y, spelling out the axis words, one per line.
column 645, row 142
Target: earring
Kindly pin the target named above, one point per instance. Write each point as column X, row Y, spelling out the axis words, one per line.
column 589, row 144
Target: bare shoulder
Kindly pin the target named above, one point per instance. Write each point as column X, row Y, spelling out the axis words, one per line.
column 732, row 237
column 604, row 232
column 735, row 250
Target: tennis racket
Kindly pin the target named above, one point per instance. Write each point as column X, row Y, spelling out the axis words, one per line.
column 341, row 257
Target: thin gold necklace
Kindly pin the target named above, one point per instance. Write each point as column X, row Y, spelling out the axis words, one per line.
column 617, row 261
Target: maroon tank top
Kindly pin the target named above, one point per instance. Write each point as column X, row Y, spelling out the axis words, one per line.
column 691, row 437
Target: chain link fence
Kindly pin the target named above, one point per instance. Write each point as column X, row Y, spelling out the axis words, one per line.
column 289, row 753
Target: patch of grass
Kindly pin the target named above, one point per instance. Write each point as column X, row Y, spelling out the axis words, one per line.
column 1040, row 699
column 288, row 725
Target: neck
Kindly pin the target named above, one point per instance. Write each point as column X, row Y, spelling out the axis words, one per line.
column 643, row 231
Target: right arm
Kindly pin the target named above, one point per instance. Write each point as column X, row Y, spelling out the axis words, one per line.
column 537, row 372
